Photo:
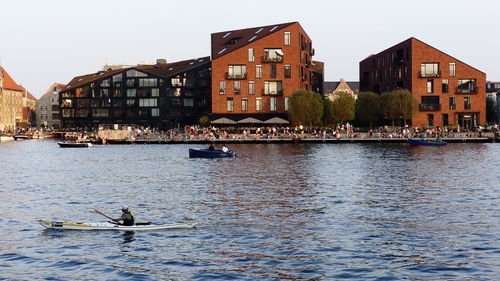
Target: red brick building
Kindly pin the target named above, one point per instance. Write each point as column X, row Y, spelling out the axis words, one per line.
column 255, row 70
column 448, row 90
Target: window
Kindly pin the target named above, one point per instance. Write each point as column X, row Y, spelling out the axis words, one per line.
column 288, row 71
column 188, row 102
column 273, row 55
column 105, row 83
column 178, row 81
column 131, row 102
column 135, row 73
column 117, row 80
column 453, row 70
column 430, row 120
column 237, row 72
column 445, row 120
column 273, row 104
column 148, row 82
column 430, row 86
column 251, row 55
column 148, row 102
column 258, row 71
column 100, row 112
column 155, row 92
column 222, row 87
column 251, row 87
column 273, row 71
column 55, row 107
column 444, row 86
column 237, row 87
column 429, row 69
column 258, row 104
column 229, row 104
column 287, row 38
column 244, row 104
column 155, row 112
column 131, row 92
column 467, row 102
column 453, row 103
column 466, row 86
column 130, row 83
column 272, row 88
column 286, row 103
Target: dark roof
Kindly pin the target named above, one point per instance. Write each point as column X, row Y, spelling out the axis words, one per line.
column 162, row 70
column 329, row 87
column 228, row 41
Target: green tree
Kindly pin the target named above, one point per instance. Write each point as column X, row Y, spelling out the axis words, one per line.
column 491, row 111
column 327, row 112
column 204, row 121
column 343, row 107
column 368, row 107
column 398, row 105
column 305, row 108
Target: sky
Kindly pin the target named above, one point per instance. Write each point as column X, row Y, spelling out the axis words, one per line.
column 47, row 41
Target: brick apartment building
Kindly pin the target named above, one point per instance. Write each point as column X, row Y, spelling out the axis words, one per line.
column 255, row 70
column 448, row 90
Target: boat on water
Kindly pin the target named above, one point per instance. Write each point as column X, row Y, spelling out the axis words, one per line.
column 426, row 142
column 113, row 226
column 74, row 144
column 21, row 137
column 207, row 153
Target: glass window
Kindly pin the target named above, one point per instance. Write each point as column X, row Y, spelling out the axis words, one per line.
column 148, row 102
column 178, row 81
column 188, row 102
column 258, row 104
column 467, row 102
column 99, row 112
column 117, row 80
column 222, row 87
column 131, row 92
column 430, row 120
column 251, row 55
column 445, row 120
column 273, row 55
column 155, row 112
column 430, row 86
column 244, row 104
column 272, row 88
column 148, row 82
column 288, row 71
column 105, row 83
column 258, row 71
column 453, row 69
column 237, row 87
column 237, row 72
column 466, row 86
column 131, row 102
column 130, row 83
column 135, row 73
column 444, row 86
column 230, row 104
column 453, row 102
column 287, row 38
column 251, row 87
column 274, row 103
column 286, row 103
column 273, row 71
column 429, row 69
column 155, row 92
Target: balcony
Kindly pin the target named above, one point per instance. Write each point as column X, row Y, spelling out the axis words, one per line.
column 272, row 59
column 429, row 74
column 469, row 90
column 272, row 93
column 234, row 76
column 429, row 107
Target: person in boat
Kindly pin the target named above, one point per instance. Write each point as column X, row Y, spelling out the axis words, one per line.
column 224, row 148
column 127, row 217
column 211, row 147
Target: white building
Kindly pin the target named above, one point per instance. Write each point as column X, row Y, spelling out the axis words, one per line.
column 47, row 108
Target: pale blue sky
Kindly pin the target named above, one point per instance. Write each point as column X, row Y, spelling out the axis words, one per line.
column 44, row 41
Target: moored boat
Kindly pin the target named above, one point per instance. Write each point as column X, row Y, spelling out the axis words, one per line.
column 74, row 144
column 426, row 142
column 207, row 153
column 113, row 226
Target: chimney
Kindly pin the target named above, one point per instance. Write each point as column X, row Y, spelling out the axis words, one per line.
column 161, row 61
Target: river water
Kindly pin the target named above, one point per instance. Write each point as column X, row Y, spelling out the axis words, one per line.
column 279, row 211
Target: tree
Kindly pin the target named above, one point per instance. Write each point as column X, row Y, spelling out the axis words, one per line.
column 343, row 107
column 204, row 121
column 368, row 107
column 327, row 112
column 491, row 112
column 305, row 108
column 398, row 105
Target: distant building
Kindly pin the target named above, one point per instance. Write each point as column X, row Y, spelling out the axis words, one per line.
column 448, row 90
column 255, row 70
column 351, row 88
column 493, row 93
column 47, row 108
column 12, row 102
column 318, row 76
column 163, row 95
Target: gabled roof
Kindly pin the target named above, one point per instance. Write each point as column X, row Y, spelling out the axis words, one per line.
column 228, row 41
column 161, row 70
column 330, row 87
column 8, row 82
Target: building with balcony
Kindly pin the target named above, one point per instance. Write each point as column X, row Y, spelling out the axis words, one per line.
column 448, row 90
column 47, row 108
column 163, row 95
column 13, row 101
column 255, row 70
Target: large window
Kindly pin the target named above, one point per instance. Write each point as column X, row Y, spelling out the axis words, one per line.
column 430, row 86
column 251, row 87
column 222, row 87
column 178, row 81
column 244, row 104
column 467, row 102
column 251, row 55
column 258, row 71
column 148, row 102
column 453, row 70
column 273, row 103
column 237, row 87
column 230, row 104
column 273, row 55
column 272, row 88
column 287, row 38
column 237, row 72
column 135, row 73
column 444, row 86
column 429, row 69
column 148, row 82
column 258, row 104
column 467, row 86
column 453, row 103
column 288, row 71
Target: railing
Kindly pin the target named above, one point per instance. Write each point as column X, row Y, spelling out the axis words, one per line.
column 429, row 75
column 472, row 90
column 429, row 107
column 272, row 93
column 272, row 59
column 233, row 76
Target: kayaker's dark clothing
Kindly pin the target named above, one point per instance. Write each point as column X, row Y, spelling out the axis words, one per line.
column 128, row 218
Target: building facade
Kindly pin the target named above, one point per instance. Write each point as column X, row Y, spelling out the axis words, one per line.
column 448, row 90
column 493, row 94
column 163, row 95
column 255, row 70
column 47, row 108
column 12, row 102
column 351, row 88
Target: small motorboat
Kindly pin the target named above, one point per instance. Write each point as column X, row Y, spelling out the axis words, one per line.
column 74, row 144
column 113, row 226
column 21, row 137
column 426, row 142
column 208, row 153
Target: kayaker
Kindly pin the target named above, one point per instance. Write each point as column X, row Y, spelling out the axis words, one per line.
column 224, row 148
column 127, row 217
